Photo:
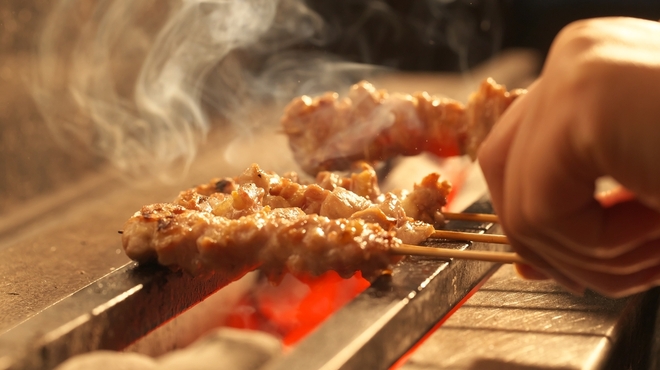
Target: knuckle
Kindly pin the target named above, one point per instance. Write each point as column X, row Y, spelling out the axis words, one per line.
column 597, row 250
column 596, row 245
column 575, row 37
column 583, row 34
column 588, row 245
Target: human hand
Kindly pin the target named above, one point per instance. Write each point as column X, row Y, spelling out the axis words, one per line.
column 593, row 112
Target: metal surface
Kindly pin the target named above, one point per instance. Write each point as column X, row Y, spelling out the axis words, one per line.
column 378, row 326
column 515, row 324
column 109, row 314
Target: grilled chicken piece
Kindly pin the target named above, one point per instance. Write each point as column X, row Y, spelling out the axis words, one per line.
column 362, row 181
column 424, row 203
column 390, row 215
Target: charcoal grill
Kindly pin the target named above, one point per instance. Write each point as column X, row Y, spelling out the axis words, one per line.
column 372, row 331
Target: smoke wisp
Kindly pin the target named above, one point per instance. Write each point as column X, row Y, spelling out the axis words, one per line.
column 136, row 81
column 128, row 78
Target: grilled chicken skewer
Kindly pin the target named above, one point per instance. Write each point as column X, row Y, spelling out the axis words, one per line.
column 260, row 219
column 277, row 241
column 329, row 133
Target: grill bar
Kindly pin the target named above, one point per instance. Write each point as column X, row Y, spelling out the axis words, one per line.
column 110, row 313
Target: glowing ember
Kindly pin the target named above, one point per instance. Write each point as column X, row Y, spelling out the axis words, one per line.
column 294, row 308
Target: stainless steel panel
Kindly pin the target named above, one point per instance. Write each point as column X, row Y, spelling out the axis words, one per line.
column 514, row 324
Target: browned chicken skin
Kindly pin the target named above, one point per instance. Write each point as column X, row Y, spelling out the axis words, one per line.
column 329, row 133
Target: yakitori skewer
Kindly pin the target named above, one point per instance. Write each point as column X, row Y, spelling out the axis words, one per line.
column 260, row 219
column 478, row 217
column 278, row 241
column 490, row 256
column 331, row 132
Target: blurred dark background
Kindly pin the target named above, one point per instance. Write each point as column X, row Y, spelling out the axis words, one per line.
column 430, row 35
column 420, row 35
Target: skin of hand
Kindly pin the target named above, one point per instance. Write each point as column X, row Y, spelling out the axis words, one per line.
column 594, row 111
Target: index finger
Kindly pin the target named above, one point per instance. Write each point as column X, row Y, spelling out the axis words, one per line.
column 493, row 154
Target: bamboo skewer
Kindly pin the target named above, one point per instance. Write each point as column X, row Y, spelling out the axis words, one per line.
column 459, row 235
column 490, row 256
column 479, row 217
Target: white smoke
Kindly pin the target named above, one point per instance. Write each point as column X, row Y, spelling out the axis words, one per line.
column 136, row 81
column 128, row 78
